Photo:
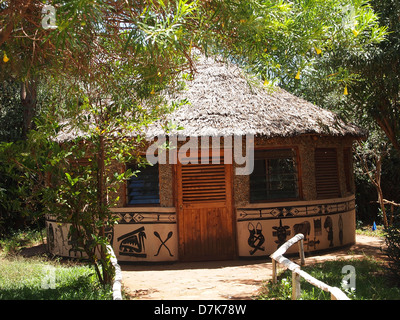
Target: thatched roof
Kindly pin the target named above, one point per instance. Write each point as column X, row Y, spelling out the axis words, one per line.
column 225, row 101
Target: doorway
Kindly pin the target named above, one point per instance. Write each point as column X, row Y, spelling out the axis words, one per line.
column 205, row 213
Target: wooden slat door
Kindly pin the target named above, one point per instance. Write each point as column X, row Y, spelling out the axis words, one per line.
column 205, row 215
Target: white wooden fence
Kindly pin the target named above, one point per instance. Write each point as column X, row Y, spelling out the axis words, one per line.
column 277, row 257
column 117, row 295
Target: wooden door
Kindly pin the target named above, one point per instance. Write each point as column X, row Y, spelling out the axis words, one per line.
column 205, row 215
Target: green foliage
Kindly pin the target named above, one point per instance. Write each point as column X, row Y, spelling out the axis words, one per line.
column 279, row 39
column 373, row 87
column 366, row 230
column 276, row 38
column 392, row 238
column 391, row 175
column 10, row 111
column 361, row 85
column 22, row 181
column 17, row 240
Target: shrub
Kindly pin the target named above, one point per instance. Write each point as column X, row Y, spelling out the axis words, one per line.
column 392, row 238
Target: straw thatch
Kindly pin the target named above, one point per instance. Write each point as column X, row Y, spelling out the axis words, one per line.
column 225, row 101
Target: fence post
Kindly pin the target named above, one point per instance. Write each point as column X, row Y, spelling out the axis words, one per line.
column 297, row 273
column 296, row 290
column 301, row 252
column 274, row 274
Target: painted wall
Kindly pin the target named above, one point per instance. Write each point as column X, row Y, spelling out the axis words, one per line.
column 60, row 242
column 326, row 224
column 142, row 234
column 150, row 234
column 146, row 234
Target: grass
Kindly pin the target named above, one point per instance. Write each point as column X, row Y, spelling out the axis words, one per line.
column 366, row 230
column 372, row 282
column 42, row 278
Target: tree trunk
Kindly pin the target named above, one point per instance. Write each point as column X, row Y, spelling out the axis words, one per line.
column 382, row 205
column 390, row 130
column 102, row 204
column 379, row 189
column 28, row 100
column 101, row 174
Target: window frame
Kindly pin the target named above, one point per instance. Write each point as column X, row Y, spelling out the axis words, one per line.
column 298, row 174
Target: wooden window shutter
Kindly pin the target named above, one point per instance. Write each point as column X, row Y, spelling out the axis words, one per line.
column 348, row 165
column 203, row 183
column 326, row 173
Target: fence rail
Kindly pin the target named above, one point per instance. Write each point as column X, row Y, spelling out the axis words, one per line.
column 297, row 273
column 117, row 295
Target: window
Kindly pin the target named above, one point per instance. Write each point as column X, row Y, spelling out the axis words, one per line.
column 326, row 173
column 143, row 188
column 274, row 176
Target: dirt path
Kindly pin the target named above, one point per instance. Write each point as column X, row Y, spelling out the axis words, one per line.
column 239, row 279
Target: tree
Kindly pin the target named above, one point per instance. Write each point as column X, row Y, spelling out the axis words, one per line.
column 362, row 84
column 285, row 42
column 371, row 154
column 363, row 87
column 377, row 93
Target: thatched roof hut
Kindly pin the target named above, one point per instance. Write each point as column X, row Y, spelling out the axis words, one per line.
column 300, row 179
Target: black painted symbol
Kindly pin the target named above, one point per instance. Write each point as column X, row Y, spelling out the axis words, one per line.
column 50, row 237
column 133, row 243
column 163, row 242
column 256, row 238
column 317, row 227
column 312, row 244
column 75, row 242
column 281, row 233
column 340, row 224
column 109, row 233
column 328, row 226
column 304, row 228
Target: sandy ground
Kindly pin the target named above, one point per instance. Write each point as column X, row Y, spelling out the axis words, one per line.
column 221, row 280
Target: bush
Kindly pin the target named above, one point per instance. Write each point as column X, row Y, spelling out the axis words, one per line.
column 19, row 239
column 392, row 238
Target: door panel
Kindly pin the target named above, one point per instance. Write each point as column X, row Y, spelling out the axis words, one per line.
column 205, row 218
